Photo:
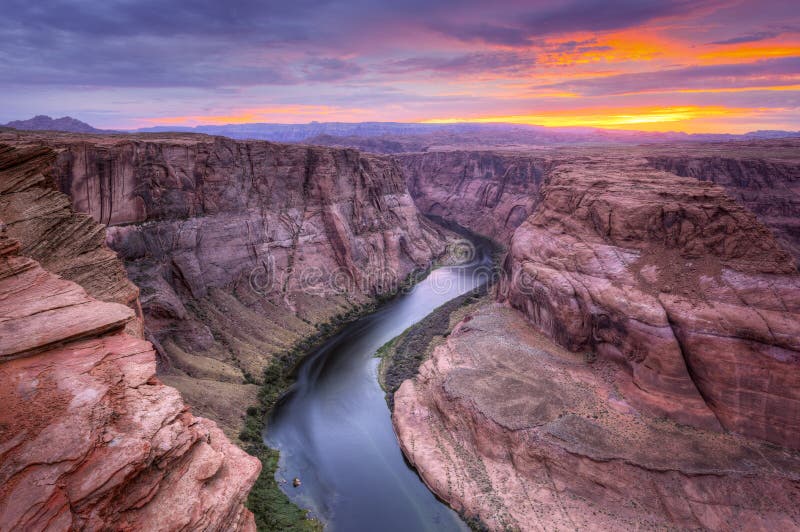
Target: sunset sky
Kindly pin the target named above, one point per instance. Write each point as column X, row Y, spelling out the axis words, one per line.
column 682, row 65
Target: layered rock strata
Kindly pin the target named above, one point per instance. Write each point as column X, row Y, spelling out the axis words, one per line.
column 518, row 433
column 64, row 242
column 675, row 280
column 763, row 176
column 240, row 248
column 642, row 370
column 89, row 438
column 490, row 193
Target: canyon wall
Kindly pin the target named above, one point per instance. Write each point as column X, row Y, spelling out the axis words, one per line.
column 490, row 193
column 241, row 248
column 88, row 434
column 764, row 177
column 643, row 350
column 675, row 280
column 518, row 433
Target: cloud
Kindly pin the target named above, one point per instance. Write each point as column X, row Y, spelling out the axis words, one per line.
column 405, row 59
column 750, row 37
column 758, row 73
column 521, row 27
column 462, row 64
column 330, row 69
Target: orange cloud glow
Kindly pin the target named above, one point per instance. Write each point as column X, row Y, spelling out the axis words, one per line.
column 641, row 118
column 751, row 52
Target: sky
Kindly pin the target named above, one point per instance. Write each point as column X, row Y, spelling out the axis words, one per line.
column 723, row 66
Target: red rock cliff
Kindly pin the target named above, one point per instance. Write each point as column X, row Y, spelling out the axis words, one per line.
column 646, row 347
column 88, row 434
column 490, row 193
column 677, row 281
column 240, row 248
column 763, row 176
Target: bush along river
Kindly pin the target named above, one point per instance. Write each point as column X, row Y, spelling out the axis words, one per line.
column 333, row 427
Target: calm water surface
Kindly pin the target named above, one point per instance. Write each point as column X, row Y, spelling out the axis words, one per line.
column 334, row 429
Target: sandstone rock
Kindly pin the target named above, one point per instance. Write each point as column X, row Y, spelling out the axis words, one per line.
column 69, row 244
column 519, row 433
column 676, row 281
column 88, row 435
column 240, row 248
column 763, row 176
column 487, row 192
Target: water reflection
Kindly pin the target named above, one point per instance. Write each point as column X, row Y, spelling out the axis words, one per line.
column 334, row 429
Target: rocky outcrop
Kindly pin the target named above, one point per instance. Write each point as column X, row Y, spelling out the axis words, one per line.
column 241, row 248
column 489, row 193
column 675, row 280
column 88, row 434
column 764, row 177
column 518, row 433
column 64, row 242
column 647, row 337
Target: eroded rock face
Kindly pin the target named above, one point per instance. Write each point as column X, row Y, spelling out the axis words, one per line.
column 241, row 248
column 521, row 434
column 677, row 281
column 764, row 177
column 645, row 349
column 489, row 193
column 89, row 438
column 64, row 242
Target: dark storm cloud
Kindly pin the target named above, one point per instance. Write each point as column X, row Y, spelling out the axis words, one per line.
column 759, row 73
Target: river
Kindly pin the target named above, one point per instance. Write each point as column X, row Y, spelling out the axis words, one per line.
column 334, row 430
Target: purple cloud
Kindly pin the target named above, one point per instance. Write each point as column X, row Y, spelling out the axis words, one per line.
column 707, row 76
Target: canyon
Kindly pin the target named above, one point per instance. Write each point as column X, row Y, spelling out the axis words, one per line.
column 645, row 334
column 89, row 435
column 240, row 249
column 637, row 364
column 236, row 251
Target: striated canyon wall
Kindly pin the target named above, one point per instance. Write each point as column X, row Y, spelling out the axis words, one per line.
column 490, row 193
column 88, row 434
column 764, row 177
column 677, row 281
column 644, row 349
column 241, row 248
column 518, row 433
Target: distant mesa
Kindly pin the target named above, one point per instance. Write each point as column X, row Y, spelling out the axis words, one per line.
column 46, row 123
column 399, row 137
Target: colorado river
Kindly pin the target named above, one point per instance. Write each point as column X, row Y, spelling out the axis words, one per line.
column 334, row 430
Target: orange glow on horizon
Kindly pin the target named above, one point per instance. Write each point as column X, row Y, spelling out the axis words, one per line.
column 581, row 57
column 754, row 88
column 642, row 118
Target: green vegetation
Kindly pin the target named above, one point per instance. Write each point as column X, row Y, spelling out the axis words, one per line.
column 402, row 356
column 272, row 508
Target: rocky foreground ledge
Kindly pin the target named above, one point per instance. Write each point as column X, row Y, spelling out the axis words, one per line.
column 89, row 437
